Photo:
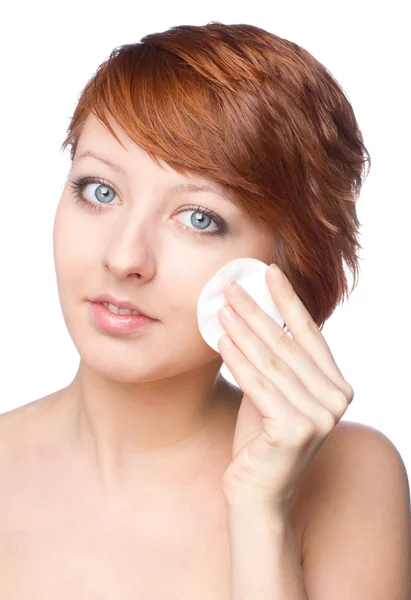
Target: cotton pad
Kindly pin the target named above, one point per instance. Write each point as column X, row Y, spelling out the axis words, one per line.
column 250, row 274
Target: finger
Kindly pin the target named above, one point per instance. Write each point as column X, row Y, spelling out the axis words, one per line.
column 269, row 400
column 302, row 326
column 290, row 352
column 284, row 424
column 323, row 412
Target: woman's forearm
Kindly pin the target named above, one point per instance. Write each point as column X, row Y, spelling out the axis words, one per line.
column 265, row 563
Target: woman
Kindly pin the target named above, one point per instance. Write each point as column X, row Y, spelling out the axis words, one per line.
column 150, row 475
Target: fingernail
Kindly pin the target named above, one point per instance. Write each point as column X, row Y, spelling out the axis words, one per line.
column 235, row 290
column 275, row 272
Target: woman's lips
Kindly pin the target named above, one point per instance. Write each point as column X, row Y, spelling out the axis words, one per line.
column 109, row 321
column 107, row 297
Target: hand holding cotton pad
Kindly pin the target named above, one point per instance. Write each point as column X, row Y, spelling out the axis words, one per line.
column 250, row 274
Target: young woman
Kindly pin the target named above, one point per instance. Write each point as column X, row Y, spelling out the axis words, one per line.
column 150, row 475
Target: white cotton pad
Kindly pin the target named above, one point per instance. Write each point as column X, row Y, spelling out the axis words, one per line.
column 250, row 274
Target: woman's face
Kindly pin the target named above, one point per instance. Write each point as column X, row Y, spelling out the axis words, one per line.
column 141, row 240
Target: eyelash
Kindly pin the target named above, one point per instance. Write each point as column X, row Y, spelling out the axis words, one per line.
column 78, row 185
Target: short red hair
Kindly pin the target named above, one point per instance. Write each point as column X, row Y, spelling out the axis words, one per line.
column 260, row 116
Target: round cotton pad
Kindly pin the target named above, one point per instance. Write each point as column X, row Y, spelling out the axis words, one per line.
column 250, row 274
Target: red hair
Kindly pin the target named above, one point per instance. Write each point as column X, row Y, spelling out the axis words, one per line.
column 260, row 116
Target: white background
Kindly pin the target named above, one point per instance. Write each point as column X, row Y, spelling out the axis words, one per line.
column 49, row 51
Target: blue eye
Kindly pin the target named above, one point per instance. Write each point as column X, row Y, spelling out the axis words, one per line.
column 104, row 193
column 201, row 216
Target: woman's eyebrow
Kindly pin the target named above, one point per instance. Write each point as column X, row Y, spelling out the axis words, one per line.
column 181, row 187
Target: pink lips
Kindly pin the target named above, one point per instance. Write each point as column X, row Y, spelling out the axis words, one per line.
column 107, row 297
column 109, row 321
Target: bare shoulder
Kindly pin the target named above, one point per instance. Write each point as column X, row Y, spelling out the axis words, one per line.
column 27, row 413
column 352, row 451
column 26, row 429
column 357, row 512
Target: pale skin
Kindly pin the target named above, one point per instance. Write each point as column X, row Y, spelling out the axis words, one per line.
column 114, row 488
